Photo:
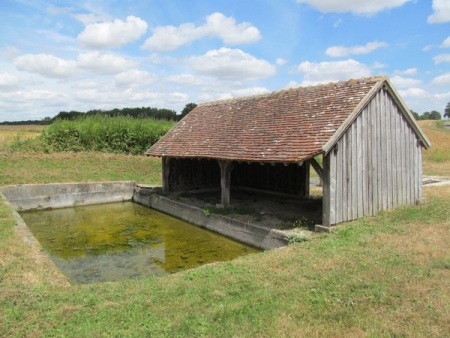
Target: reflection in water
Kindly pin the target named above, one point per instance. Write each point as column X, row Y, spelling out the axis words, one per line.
column 110, row 242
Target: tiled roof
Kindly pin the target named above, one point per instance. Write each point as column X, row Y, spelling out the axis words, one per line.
column 286, row 126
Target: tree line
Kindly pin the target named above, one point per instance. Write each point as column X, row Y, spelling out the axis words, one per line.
column 143, row 112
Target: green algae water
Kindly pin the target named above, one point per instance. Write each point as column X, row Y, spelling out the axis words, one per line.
column 111, row 242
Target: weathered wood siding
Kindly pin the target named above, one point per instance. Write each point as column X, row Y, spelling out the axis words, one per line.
column 375, row 166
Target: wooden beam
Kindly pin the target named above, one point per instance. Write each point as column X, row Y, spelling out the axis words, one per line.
column 165, row 173
column 225, row 180
column 318, row 169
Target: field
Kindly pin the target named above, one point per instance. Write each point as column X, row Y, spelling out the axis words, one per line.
column 383, row 276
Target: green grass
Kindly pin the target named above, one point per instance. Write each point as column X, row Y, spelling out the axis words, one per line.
column 22, row 168
column 383, row 276
column 379, row 276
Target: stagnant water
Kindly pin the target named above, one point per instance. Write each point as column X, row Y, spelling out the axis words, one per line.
column 110, row 242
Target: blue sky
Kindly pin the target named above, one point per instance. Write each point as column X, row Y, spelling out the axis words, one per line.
column 81, row 55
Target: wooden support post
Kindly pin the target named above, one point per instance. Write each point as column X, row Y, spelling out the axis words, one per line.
column 225, row 181
column 326, row 198
column 165, row 174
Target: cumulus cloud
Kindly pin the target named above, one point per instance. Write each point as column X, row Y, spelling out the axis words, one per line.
column 186, row 79
column 446, row 43
column 441, row 58
column 46, row 65
column 442, row 80
column 112, row 34
column 409, row 71
column 337, row 51
column 414, row 93
column 105, row 63
column 167, row 38
column 323, row 72
column 231, row 64
column 402, row 82
column 355, row 7
column 441, row 12
column 281, row 61
column 134, row 78
column 8, row 81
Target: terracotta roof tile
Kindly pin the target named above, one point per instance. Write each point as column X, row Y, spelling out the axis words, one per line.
column 284, row 126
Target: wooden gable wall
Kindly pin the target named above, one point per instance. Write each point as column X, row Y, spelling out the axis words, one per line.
column 376, row 165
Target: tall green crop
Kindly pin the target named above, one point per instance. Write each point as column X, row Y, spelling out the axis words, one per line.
column 124, row 135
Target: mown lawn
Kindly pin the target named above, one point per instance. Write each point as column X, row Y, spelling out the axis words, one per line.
column 383, row 276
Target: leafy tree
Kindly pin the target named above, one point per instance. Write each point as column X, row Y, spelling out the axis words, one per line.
column 447, row 111
column 186, row 110
column 416, row 115
column 435, row 115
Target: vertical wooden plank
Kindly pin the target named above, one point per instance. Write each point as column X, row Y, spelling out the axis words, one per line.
column 420, row 174
column 398, row 137
column 333, row 174
column 384, row 146
column 326, row 192
column 344, row 163
column 375, row 142
column 337, row 155
column 403, row 156
column 354, row 179
column 359, row 178
column 388, row 111
column 369, row 152
column 380, row 154
column 364, row 174
column 410, row 164
column 349, row 184
column 394, row 153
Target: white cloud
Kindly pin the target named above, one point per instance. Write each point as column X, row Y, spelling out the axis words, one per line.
column 134, row 78
column 409, row 71
column 441, row 12
column 102, row 63
column 355, row 7
column 442, row 80
column 250, row 91
column 281, row 61
column 91, row 18
column 167, row 38
column 323, row 72
column 413, row 93
column 403, row 82
column 231, row 64
column 112, row 34
column 46, row 65
column 8, row 81
column 441, row 58
column 427, row 48
column 337, row 51
column 186, row 79
column 446, row 43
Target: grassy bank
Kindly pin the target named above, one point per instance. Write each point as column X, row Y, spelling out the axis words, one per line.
column 383, row 276
column 22, row 168
column 437, row 158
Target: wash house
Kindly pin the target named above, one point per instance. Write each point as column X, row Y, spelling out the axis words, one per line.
column 368, row 145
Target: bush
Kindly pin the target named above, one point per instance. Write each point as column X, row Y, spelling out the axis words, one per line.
column 122, row 135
